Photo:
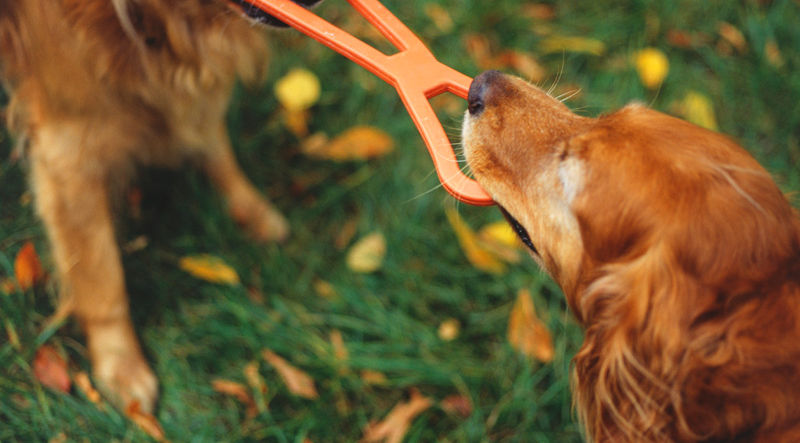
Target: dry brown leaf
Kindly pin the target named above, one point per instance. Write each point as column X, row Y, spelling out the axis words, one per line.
column 324, row 289
column 27, row 267
column 83, row 383
column 457, row 404
column 59, row 438
column 479, row 50
column 237, row 391
column 479, row 256
column 296, row 120
column 339, row 349
column 8, row 285
column 526, row 332
column 367, row 254
column 50, row 368
column 372, row 377
column 440, row 17
column 254, row 378
column 357, row 143
column 449, row 329
column 346, row 233
column 146, row 422
column 679, row 38
column 732, row 35
column 394, row 426
column 539, row 11
column 523, row 63
column 773, row 54
column 298, row 382
column 209, row 268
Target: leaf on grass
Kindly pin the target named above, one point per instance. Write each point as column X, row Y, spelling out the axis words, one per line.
column 298, row 382
column 209, row 268
column 697, row 108
column 539, row 11
column 478, row 48
column 499, row 238
column 298, row 90
column 339, row 349
column 680, row 38
column 297, row 121
column 582, row 45
column 393, row 428
column 457, row 404
column 367, row 254
column 440, row 17
column 479, row 256
column 324, row 289
column 83, row 383
column 652, row 66
column 357, row 143
column 449, row 329
column 50, row 368
column 146, row 422
column 732, row 35
column 346, row 233
column 525, row 64
column 371, row 377
column 27, row 267
column 8, row 285
column 13, row 337
column 773, row 54
column 526, row 332
column 237, row 391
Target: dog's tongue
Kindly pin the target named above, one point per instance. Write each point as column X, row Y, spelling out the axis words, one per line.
column 267, row 19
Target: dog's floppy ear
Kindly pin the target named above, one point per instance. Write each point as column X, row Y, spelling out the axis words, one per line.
column 267, row 19
column 632, row 346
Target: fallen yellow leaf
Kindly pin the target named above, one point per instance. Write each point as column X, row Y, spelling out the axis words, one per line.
column 324, row 288
column 297, row 121
column 372, row 377
column 237, row 391
column 584, row 45
column 209, row 268
column 480, row 257
column 145, row 421
column 526, row 332
column 367, row 254
column 457, row 404
column 393, row 428
column 773, row 54
column 357, row 143
column 449, row 329
column 337, row 342
column 697, row 108
column 652, row 66
column 27, row 267
column 298, row 90
column 298, row 382
column 440, row 17
column 732, row 35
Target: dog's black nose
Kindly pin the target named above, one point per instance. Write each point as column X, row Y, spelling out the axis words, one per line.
column 476, row 98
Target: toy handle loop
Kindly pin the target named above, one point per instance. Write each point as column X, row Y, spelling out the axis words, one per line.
column 413, row 71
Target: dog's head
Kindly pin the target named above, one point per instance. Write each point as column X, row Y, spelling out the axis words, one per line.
column 592, row 192
column 665, row 238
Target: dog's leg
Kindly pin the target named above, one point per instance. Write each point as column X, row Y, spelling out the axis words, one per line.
column 247, row 206
column 72, row 199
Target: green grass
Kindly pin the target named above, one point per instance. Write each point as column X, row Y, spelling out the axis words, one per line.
column 194, row 332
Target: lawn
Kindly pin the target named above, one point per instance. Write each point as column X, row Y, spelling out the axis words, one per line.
column 294, row 297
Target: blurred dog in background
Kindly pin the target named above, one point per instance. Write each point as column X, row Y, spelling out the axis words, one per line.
column 675, row 250
column 98, row 87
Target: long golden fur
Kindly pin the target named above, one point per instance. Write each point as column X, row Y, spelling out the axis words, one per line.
column 675, row 250
column 98, row 87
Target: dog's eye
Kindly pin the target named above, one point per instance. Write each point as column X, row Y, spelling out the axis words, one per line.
column 520, row 230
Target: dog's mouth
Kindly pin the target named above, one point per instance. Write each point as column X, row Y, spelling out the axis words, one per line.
column 262, row 17
column 521, row 232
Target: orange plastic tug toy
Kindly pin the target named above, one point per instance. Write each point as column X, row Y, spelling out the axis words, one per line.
column 413, row 71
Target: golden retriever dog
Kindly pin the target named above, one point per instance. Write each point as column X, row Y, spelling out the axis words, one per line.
column 676, row 252
column 98, row 87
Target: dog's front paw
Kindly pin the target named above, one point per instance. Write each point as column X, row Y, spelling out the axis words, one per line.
column 119, row 368
column 259, row 218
